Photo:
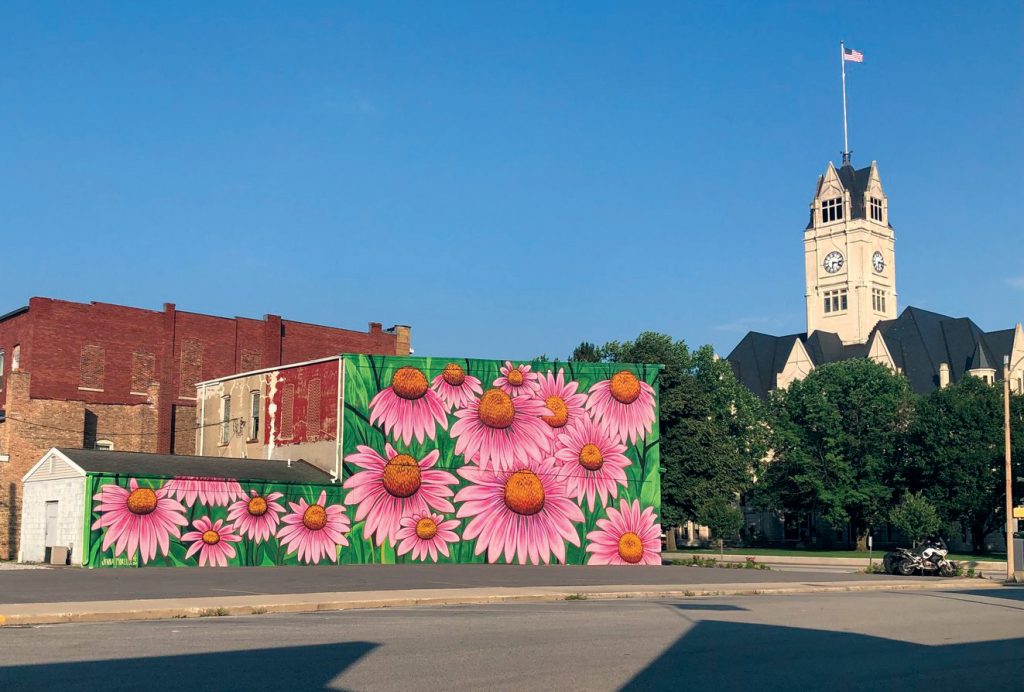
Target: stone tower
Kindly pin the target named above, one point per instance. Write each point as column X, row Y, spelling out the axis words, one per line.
column 849, row 254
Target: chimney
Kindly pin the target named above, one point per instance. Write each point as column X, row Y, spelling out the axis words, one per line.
column 943, row 375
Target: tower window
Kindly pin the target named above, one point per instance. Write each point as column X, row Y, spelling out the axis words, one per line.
column 836, row 301
column 878, row 300
column 876, row 209
column 832, row 210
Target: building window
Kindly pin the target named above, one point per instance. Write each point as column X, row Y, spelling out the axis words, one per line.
column 16, row 357
column 832, row 210
column 225, row 420
column 104, row 444
column 878, row 300
column 876, row 209
column 254, row 415
column 836, row 301
column 2, row 360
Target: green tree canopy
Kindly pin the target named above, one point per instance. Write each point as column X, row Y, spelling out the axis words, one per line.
column 956, row 455
column 915, row 516
column 836, row 435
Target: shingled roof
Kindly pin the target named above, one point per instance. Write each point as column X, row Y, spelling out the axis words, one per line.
column 918, row 340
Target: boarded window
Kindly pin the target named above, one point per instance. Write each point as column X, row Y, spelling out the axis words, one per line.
column 251, row 360
column 191, row 366
column 92, row 367
column 313, row 408
column 287, row 411
column 143, row 369
column 225, row 420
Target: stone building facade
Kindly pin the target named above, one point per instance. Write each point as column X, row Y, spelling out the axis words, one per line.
column 97, row 375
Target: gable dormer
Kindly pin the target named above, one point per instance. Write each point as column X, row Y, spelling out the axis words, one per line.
column 831, row 201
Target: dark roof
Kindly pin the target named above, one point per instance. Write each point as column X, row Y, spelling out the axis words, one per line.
column 918, row 340
column 856, row 183
column 142, row 464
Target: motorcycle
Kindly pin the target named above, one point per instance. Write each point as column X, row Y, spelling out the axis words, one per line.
column 930, row 558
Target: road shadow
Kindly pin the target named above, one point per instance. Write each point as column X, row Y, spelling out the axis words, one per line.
column 289, row 668
column 1012, row 593
column 706, row 606
column 739, row 656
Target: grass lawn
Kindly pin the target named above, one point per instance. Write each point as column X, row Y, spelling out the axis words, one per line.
column 996, row 557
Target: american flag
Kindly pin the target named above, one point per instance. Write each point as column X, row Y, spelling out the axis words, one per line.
column 851, row 55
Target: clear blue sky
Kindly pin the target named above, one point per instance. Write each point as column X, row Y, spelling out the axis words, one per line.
column 509, row 180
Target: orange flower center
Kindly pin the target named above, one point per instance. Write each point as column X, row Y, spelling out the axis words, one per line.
column 631, row 548
column 257, row 506
column 496, row 409
column 409, row 383
column 625, row 387
column 559, row 411
column 402, row 476
column 211, row 537
column 142, row 501
column 591, row 458
column 314, row 518
column 515, row 377
column 524, row 493
column 453, row 374
column 426, row 528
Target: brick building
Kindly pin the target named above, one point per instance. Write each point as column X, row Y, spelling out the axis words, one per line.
column 115, row 377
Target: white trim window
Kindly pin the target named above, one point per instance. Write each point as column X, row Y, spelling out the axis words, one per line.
column 225, row 420
column 254, row 415
column 831, row 210
column 836, row 301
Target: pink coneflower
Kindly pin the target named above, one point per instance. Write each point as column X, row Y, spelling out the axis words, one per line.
column 212, row 541
column 565, row 404
column 455, row 387
column 212, row 492
column 522, row 513
column 497, row 430
column 517, row 380
column 314, row 531
column 424, row 534
column 627, row 537
column 258, row 516
column 594, row 461
column 392, row 488
column 138, row 519
column 409, row 407
column 624, row 405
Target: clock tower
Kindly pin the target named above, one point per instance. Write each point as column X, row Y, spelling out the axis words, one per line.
column 849, row 254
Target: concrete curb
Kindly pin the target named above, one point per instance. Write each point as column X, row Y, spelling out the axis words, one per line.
column 980, row 566
column 159, row 609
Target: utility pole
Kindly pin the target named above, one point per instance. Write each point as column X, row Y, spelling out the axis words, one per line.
column 1010, row 520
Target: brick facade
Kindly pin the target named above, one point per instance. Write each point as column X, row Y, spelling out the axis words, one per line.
column 91, row 372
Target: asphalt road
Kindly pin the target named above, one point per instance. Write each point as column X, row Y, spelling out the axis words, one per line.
column 72, row 584
column 851, row 641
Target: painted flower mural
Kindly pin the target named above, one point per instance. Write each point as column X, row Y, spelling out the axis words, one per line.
column 409, row 407
column 314, row 531
column 212, row 541
column 138, row 519
column 523, row 513
column 212, row 492
column 426, row 534
column 628, row 536
column 594, row 462
column 257, row 517
column 560, row 397
column 624, row 404
column 499, row 430
column 517, row 380
column 455, row 387
column 389, row 488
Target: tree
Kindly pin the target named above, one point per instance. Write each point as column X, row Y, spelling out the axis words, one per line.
column 722, row 517
column 955, row 456
column 837, row 435
column 915, row 516
column 586, row 352
column 712, row 432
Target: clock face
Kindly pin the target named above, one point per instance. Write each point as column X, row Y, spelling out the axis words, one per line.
column 878, row 262
column 833, row 262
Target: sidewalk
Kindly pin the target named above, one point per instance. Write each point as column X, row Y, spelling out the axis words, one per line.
column 401, row 590
column 987, row 568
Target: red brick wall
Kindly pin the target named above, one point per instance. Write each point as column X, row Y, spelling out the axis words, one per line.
column 13, row 331
column 308, row 341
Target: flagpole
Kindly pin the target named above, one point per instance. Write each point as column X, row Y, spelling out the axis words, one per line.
column 846, row 138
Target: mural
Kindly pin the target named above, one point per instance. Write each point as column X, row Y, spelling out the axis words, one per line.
column 443, row 461
column 148, row 521
column 503, row 462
